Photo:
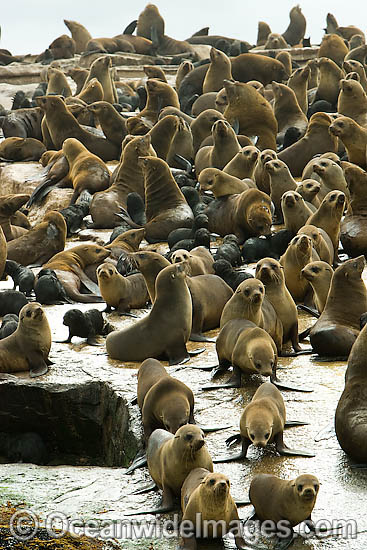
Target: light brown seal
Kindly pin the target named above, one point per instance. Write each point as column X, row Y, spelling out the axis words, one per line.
column 319, row 275
column 316, row 140
column 299, row 253
column 333, row 47
column 28, row 347
column 295, row 211
column 41, row 242
column 296, row 29
column 246, row 215
column 350, row 414
column 336, row 330
column 321, row 242
column 243, row 164
column 3, row 252
column 69, row 267
column 165, row 402
column 21, row 149
column 86, row 171
column 159, row 95
column 57, row 83
column 298, row 82
column 201, row 126
column 329, row 76
column 225, row 147
column 331, row 175
column 352, row 101
column 253, row 113
column 354, row 138
column 79, row 34
column 262, row 422
column 286, row 503
column 270, row 272
column 219, row 69
column 121, row 293
column 172, row 457
column 199, row 260
column 112, row 124
column 9, row 205
column 287, row 110
column 100, row 69
column 281, row 181
column 261, row 175
column 249, row 302
column 206, row 498
column 220, row 183
column 165, row 330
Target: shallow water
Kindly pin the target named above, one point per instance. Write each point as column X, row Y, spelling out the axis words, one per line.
column 105, row 493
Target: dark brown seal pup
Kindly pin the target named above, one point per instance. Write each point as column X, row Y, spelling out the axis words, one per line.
column 285, row 503
column 165, row 330
column 86, row 171
column 62, row 125
column 41, row 242
column 350, row 414
column 172, row 457
column 253, row 113
column 69, row 268
column 121, row 293
column 28, row 347
column 164, row 401
column 86, row 324
column 205, row 497
column 316, row 140
column 262, row 422
column 247, row 214
column 337, row 328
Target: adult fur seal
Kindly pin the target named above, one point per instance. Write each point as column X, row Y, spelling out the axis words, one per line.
column 69, row 267
column 319, row 275
column 28, row 347
column 285, row 503
column 121, row 293
column 298, row 254
column 262, row 422
column 79, row 34
column 133, row 343
column 172, row 457
column 350, row 415
column 205, row 497
column 165, row 402
column 247, row 214
column 296, row 29
column 336, row 330
column 354, row 138
column 41, row 242
column 21, row 149
column 86, row 171
column 62, row 125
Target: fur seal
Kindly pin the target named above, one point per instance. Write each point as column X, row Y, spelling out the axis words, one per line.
column 271, row 273
column 62, row 125
column 69, row 268
column 287, row 110
column 12, row 301
column 100, row 69
column 86, row 324
column 350, row 417
column 243, row 164
column 172, row 457
column 86, row 171
column 165, row 402
column 253, row 113
column 225, row 147
column 285, row 503
column 352, row 101
column 354, row 138
column 316, row 140
column 127, row 178
column 160, row 95
column 298, row 254
column 321, row 242
column 57, row 83
column 32, row 338
column 333, row 47
column 175, row 323
column 9, row 325
column 319, row 275
column 229, row 250
column 231, row 276
column 296, row 29
column 41, row 242
column 331, row 175
column 79, row 34
column 336, row 330
column 21, row 149
column 219, row 69
column 199, row 260
column 201, row 126
column 261, row 175
column 23, row 277
column 295, row 211
column 281, row 181
column 220, row 183
column 121, row 293
column 9, row 205
column 247, row 214
column 263, row 31
column 205, row 497
column 262, row 422
column 249, row 302
column 298, row 82
column 329, row 76
column 112, row 123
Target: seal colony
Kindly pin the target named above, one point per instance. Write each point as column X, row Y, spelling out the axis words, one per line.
column 242, row 142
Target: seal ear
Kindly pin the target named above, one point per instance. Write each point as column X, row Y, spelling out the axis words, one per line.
column 176, row 437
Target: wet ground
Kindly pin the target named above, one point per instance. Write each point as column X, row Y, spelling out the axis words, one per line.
column 104, row 494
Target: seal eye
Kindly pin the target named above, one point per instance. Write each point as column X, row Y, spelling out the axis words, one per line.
column 299, row 488
column 212, row 481
column 316, row 487
column 247, row 292
column 188, row 437
column 29, row 314
column 267, row 436
column 252, row 436
column 258, row 366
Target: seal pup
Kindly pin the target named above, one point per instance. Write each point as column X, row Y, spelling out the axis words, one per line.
column 133, row 343
column 23, row 277
column 11, row 301
column 337, row 328
column 27, row 349
column 121, row 293
column 48, row 289
column 232, row 277
column 262, row 422
column 87, row 324
column 205, row 497
column 9, row 325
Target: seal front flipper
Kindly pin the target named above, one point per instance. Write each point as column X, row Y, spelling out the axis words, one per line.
column 236, row 438
column 290, row 423
column 284, row 543
column 139, row 461
column 289, row 386
column 195, row 352
column 186, row 164
column 37, row 365
column 233, row 382
column 309, row 310
column 146, row 489
column 210, row 429
column 131, row 27
column 286, row 451
column 92, row 341
column 231, row 458
column 87, row 282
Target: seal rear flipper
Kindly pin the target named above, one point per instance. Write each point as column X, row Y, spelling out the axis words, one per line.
column 87, row 282
column 236, row 438
column 92, row 341
column 131, row 27
column 290, row 423
column 139, row 461
column 160, row 510
column 40, row 192
column 309, row 310
column 308, row 351
column 146, row 489
column 200, row 338
column 284, row 543
column 304, row 334
column 283, row 450
column 195, row 352
column 289, row 386
column 184, row 163
column 210, row 429
column 127, row 314
column 331, row 359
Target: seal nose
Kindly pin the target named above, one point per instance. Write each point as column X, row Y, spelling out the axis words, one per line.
column 199, row 444
column 256, row 297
